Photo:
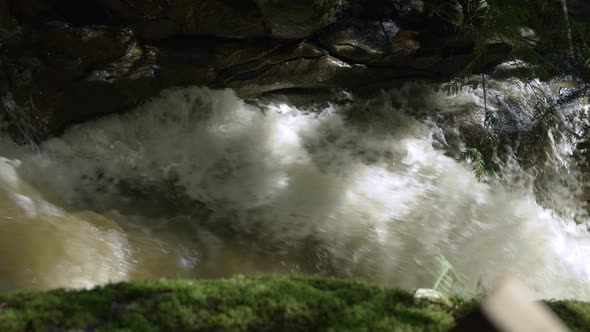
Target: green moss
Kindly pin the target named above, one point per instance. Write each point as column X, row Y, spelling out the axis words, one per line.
column 272, row 303
column 576, row 315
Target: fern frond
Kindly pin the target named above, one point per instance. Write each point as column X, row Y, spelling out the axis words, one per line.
column 448, row 281
column 472, row 155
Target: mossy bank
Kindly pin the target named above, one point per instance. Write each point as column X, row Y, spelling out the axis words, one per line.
column 242, row 304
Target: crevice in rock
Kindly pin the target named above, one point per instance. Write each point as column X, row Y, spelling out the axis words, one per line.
column 87, row 12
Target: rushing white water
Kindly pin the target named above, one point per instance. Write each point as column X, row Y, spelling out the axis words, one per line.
column 198, row 183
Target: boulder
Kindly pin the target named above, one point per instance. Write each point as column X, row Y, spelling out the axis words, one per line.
column 55, row 40
column 70, row 61
column 162, row 18
column 360, row 41
column 288, row 19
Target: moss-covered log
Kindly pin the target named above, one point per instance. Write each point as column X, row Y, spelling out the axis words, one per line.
column 241, row 304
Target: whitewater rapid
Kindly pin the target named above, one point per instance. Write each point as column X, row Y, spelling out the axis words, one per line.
column 198, row 183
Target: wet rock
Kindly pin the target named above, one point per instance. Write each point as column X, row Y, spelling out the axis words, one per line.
column 513, row 69
column 73, row 62
column 274, row 70
column 232, row 54
column 307, row 65
column 322, row 72
column 91, row 98
column 226, row 18
column 138, row 10
column 8, row 23
column 6, row 100
column 32, row 11
column 287, row 19
column 162, row 18
column 81, row 12
column 405, row 41
column 509, row 127
column 157, row 29
column 111, row 88
column 183, row 62
column 21, row 73
column 359, row 41
column 95, row 45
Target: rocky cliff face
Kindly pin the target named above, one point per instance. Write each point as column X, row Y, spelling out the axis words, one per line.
column 63, row 61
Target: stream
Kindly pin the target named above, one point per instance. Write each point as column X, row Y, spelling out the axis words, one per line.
column 199, row 183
